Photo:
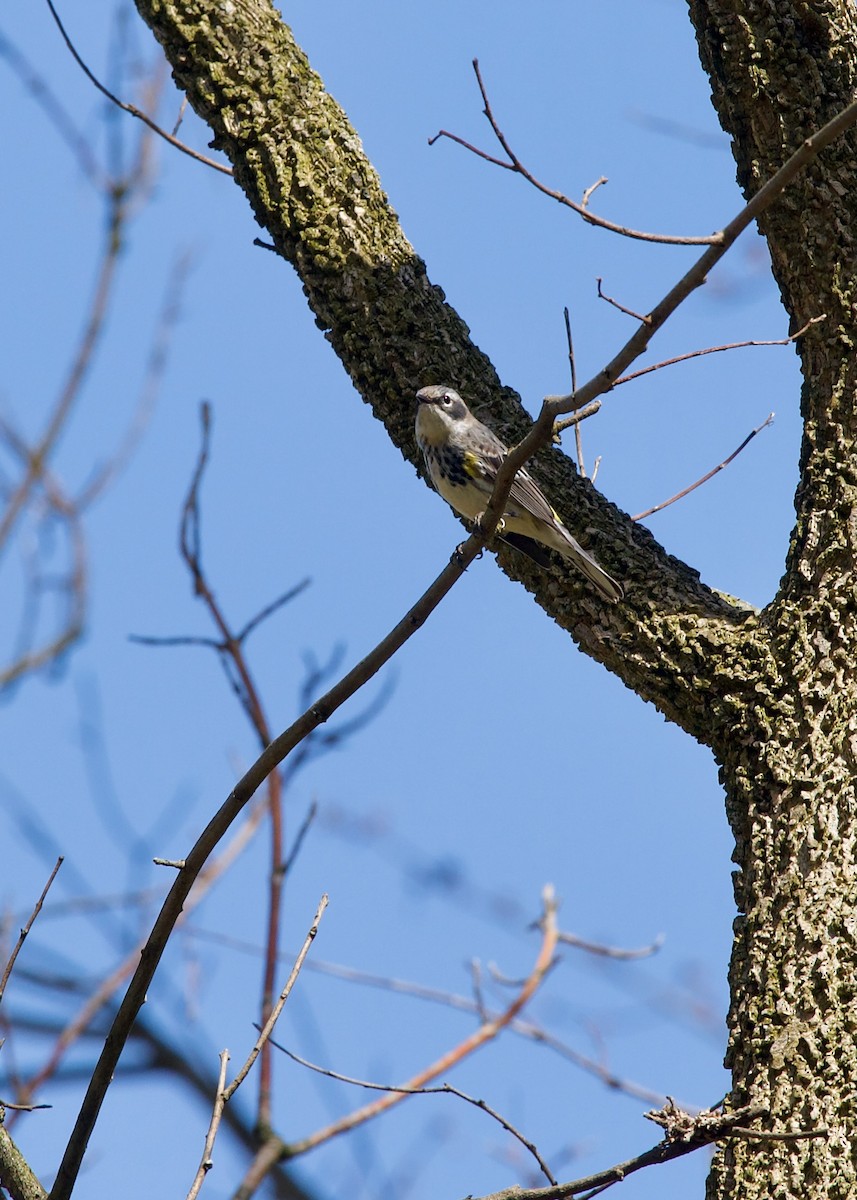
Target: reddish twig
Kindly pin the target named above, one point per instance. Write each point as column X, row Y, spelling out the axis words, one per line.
column 283, row 745
column 515, row 165
column 486, row 1032
column 22, row 937
column 275, row 1149
column 708, row 475
column 231, row 651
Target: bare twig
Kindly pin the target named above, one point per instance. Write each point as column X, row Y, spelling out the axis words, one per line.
column 578, row 436
column 581, row 415
column 515, row 165
column 685, row 1134
column 303, row 830
column 231, row 652
column 554, row 406
column 598, row 948
column 132, row 108
column 275, row 1150
column 669, row 362
column 485, row 1033
column 442, row 1089
column 40, row 452
column 522, row 1028
column 25, row 930
column 629, row 312
column 278, row 1007
column 318, row 712
column 81, row 1021
column 708, row 475
column 206, row 1162
column 224, row 1094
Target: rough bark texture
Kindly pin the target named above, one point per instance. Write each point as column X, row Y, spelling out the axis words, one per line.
column 310, row 185
column 773, row 694
column 778, row 70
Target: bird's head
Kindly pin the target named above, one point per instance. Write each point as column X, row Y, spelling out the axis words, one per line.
column 439, row 408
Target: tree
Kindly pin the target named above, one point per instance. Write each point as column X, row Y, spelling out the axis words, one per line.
column 769, row 692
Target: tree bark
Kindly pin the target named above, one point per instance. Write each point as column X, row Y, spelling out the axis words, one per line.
column 773, row 694
column 777, row 71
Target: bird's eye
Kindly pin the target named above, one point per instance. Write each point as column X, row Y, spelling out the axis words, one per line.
column 447, row 400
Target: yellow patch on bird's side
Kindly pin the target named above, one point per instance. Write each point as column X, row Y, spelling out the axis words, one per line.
column 470, row 462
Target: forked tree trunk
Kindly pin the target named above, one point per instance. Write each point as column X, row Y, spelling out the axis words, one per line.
column 772, row 694
column 778, row 70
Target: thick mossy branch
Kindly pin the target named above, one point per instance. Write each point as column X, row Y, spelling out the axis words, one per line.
column 310, row 185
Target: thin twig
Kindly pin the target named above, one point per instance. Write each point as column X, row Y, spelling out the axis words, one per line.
column 629, row 312
column 22, row 937
column 486, row 1032
column 669, row 362
column 278, row 1007
column 515, row 165
column 405, row 987
column 303, row 830
column 132, row 108
column 318, row 712
column 571, row 939
column 703, row 1130
column 578, row 436
column 581, row 415
column 441, row 1089
column 206, row 1162
column 234, row 661
column 274, row 1150
column 554, row 406
column 708, row 475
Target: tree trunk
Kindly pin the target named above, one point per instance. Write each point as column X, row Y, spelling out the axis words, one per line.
column 778, row 71
column 771, row 693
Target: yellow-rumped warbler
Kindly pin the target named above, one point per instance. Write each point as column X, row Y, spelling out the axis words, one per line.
column 463, row 456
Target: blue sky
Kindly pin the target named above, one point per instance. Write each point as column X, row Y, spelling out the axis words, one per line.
column 504, row 759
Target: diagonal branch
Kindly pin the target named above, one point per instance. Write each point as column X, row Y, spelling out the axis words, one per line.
column 310, row 185
column 171, row 910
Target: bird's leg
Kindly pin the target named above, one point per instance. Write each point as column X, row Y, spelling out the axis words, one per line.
column 498, row 531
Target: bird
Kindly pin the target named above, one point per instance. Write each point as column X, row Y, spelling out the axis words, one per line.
column 462, row 457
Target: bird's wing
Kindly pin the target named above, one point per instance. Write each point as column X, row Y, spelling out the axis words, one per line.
column 525, row 493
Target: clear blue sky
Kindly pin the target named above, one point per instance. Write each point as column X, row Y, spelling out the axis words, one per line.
column 504, row 758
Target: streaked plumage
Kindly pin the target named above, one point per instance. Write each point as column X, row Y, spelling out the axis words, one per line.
column 463, row 456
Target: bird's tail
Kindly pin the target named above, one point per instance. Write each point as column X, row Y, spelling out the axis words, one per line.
column 586, row 564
